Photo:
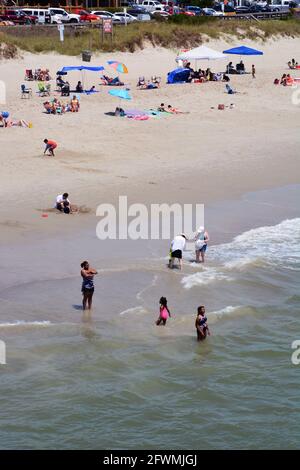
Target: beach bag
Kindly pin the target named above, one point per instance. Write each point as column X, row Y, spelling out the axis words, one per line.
column 221, row 106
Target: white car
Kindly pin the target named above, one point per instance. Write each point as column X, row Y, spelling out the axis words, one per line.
column 107, row 15
column 212, row 12
column 121, row 15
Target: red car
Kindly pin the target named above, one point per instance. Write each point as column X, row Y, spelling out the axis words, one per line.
column 19, row 17
column 86, row 16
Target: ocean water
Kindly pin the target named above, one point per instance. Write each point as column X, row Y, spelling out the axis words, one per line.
column 114, row 380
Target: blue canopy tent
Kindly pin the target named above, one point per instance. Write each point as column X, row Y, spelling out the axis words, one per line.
column 243, row 50
column 179, row 75
column 81, row 68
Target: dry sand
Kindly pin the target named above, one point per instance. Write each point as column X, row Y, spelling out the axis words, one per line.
column 201, row 156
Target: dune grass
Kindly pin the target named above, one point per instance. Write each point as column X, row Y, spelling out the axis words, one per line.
column 136, row 36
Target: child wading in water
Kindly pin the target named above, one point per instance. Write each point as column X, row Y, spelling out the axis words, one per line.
column 164, row 312
column 201, row 324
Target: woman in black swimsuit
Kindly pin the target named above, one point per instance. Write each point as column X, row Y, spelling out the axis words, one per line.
column 87, row 274
column 201, row 324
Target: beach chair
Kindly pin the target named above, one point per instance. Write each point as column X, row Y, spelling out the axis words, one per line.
column 44, row 90
column 229, row 90
column 28, row 75
column 25, row 92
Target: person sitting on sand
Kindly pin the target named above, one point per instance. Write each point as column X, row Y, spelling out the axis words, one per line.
column 201, row 324
column 141, row 83
column 229, row 90
column 79, row 88
column 59, row 82
column 119, row 112
column 3, row 120
column 283, row 79
column 74, row 104
column 161, row 108
column 164, row 312
column 63, row 203
column 225, row 78
column 156, row 80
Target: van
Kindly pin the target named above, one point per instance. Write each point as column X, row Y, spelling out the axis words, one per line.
column 39, row 13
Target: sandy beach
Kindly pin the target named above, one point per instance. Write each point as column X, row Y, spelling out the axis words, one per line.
column 220, row 153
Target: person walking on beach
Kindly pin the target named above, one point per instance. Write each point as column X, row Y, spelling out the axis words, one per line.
column 87, row 274
column 164, row 312
column 201, row 324
column 177, row 247
column 50, row 147
column 201, row 240
column 253, row 71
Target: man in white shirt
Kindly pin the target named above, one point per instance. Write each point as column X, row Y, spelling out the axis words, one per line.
column 177, row 247
column 63, row 203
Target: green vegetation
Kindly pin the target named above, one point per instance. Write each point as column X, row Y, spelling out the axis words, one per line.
column 136, row 36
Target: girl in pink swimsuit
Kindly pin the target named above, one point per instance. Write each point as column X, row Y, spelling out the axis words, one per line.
column 164, row 312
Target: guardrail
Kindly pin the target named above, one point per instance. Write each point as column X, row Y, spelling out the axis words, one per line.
column 258, row 16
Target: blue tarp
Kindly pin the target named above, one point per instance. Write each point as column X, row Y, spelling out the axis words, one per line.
column 82, row 67
column 243, row 50
column 178, row 75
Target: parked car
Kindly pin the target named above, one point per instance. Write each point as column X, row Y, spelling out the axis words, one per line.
column 280, row 5
column 107, row 15
column 59, row 14
column 228, row 10
column 197, row 10
column 125, row 17
column 140, row 14
column 19, row 17
column 86, row 15
column 152, row 5
column 212, row 12
column 40, row 13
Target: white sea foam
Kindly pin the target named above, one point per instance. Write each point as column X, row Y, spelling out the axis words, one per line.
column 226, row 311
column 138, row 309
column 276, row 244
column 204, row 277
column 25, row 323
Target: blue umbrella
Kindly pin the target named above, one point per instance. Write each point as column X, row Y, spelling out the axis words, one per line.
column 120, row 93
column 243, row 50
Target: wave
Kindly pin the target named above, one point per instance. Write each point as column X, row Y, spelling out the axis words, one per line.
column 275, row 244
column 204, row 277
column 138, row 309
column 25, row 323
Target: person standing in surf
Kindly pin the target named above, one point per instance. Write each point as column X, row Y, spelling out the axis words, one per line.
column 201, row 324
column 201, row 239
column 177, row 247
column 164, row 312
column 87, row 274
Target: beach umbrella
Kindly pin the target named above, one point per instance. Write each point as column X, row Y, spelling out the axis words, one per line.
column 243, row 50
column 201, row 53
column 81, row 68
column 118, row 66
column 120, row 93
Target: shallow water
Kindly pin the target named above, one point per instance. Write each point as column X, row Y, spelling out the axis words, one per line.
column 115, row 380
